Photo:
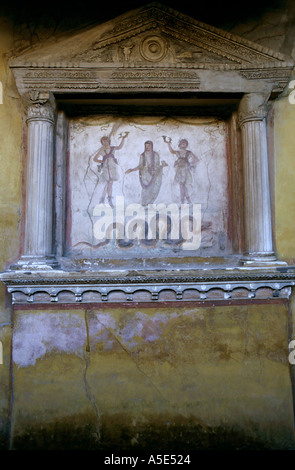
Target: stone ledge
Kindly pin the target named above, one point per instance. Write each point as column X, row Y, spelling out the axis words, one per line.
column 55, row 286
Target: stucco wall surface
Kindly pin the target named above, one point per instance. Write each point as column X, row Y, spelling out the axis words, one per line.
column 159, row 378
column 10, row 203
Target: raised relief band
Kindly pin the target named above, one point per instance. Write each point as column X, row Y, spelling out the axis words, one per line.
column 150, row 288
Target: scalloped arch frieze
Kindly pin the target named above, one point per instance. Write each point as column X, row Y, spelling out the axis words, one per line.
column 108, row 290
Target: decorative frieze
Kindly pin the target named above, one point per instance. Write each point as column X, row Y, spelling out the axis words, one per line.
column 199, row 76
column 278, row 76
column 141, row 289
column 112, row 78
column 154, row 78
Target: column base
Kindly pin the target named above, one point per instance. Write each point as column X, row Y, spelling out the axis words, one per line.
column 36, row 263
column 261, row 260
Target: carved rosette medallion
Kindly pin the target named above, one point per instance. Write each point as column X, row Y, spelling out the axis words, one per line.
column 153, row 48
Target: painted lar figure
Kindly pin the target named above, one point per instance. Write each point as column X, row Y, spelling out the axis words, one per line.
column 150, row 173
column 109, row 166
column 184, row 163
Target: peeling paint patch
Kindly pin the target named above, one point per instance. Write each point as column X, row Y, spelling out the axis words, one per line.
column 38, row 334
column 129, row 328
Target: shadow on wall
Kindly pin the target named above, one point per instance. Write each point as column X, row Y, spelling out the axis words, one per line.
column 118, row 432
column 67, row 15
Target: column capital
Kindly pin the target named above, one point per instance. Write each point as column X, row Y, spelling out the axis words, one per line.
column 40, row 105
column 252, row 107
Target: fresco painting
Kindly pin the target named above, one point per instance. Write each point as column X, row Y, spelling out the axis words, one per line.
column 142, row 163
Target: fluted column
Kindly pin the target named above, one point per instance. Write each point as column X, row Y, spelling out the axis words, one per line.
column 258, row 222
column 38, row 236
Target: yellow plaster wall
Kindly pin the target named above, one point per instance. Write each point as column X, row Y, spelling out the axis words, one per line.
column 125, row 378
column 10, row 200
column 10, row 152
column 284, row 143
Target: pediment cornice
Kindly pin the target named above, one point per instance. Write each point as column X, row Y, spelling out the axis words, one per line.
column 153, row 43
column 180, row 26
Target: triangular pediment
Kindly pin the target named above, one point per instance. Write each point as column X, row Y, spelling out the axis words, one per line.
column 152, row 48
column 153, row 34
